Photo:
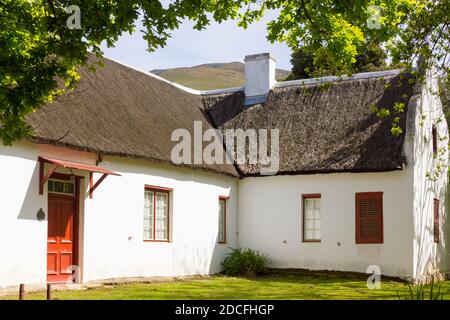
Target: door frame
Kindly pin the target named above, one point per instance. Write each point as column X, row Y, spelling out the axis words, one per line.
column 76, row 216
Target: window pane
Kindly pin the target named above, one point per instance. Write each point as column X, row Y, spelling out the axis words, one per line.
column 222, row 221
column 316, row 234
column 162, row 215
column 317, row 204
column 148, row 215
column 317, row 224
column 68, row 188
column 309, row 214
column 316, row 213
column 311, row 222
column 59, row 186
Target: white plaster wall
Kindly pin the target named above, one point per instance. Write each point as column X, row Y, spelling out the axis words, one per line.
column 429, row 257
column 111, row 224
column 270, row 220
column 23, row 243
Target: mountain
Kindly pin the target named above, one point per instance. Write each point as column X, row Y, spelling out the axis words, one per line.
column 210, row 76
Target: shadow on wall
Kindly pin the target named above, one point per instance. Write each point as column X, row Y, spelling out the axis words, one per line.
column 197, row 260
column 32, row 201
column 218, row 256
column 431, row 257
column 205, row 260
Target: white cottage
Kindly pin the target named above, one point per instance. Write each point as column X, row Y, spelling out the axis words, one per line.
column 94, row 194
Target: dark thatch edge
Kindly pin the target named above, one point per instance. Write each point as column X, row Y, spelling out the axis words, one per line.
column 40, row 140
column 312, row 172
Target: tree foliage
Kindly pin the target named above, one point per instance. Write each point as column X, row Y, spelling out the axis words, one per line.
column 444, row 94
column 39, row 53
column 310, row 62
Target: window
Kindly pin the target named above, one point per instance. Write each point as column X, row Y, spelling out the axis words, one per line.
column 369, row 217
column 311, row 218
column 434, row 137
column 156, row 214
column 61, row 187
column 222, row 237
column 436, row 220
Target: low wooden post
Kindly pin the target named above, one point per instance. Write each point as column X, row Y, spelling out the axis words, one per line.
column 49, row 292
column 21, row 291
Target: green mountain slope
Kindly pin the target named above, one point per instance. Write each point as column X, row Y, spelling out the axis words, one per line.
column 210, row 76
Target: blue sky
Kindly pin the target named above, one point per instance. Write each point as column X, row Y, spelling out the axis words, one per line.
column 218, row 43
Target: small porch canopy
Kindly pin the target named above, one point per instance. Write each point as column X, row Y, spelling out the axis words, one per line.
column 71, row 165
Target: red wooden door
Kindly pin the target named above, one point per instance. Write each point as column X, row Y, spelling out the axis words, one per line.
column 61, row 238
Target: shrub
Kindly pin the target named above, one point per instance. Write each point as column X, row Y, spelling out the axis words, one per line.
column 245, row 262
column 419, row 292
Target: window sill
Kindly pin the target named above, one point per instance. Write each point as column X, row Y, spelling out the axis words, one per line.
column 163, row 241
column 312, row 241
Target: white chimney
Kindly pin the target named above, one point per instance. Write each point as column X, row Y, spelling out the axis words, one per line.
column 259, row 77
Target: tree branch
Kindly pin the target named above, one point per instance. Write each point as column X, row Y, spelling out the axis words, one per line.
column 305, row 11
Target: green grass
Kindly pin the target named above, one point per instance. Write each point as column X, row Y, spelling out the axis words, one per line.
column 218, row 287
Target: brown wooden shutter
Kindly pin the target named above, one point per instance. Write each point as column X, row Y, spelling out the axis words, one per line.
column 434, row 137
column 369, row 217
column 436, row 219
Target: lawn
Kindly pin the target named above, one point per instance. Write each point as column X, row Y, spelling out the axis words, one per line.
column 218, row 287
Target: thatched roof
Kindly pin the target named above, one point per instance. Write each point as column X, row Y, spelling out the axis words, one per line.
column 323, row 128
column 123, row 112
column 120, row 111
